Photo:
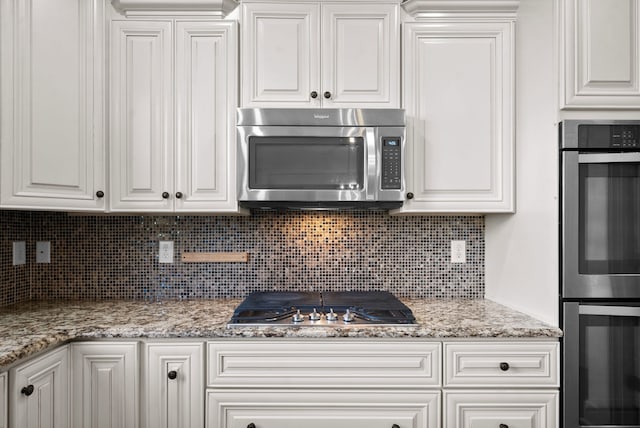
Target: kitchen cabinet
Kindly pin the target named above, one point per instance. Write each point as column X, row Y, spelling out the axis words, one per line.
column 599, row 54
column 172, row 124
column 39, row 391
column 104, row 384
column 52, row 149
column 4, row 400
column 173, row 384
column 458, row 93
column 315, row 54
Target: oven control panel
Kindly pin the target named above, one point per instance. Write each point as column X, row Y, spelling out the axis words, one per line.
column 391, row 163
column 597, row 136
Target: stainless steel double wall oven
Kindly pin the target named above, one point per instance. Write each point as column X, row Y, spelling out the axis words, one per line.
column 600, row 272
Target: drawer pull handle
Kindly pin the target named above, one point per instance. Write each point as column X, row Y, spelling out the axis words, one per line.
column 251, row 425
column 504, row 426
column 172, row 374
column 504, row 367
column 27, row 390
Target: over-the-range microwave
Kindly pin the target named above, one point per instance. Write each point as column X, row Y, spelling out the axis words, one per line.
column 321, row 158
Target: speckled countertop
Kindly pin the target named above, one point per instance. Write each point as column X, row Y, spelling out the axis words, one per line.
column 29, row 328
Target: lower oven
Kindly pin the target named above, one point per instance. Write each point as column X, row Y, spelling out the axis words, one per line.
column 601, row 364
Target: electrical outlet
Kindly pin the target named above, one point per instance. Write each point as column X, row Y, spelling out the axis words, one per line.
column 458, row 251
column 19, row 253
column 43, row 252
column 166, row 252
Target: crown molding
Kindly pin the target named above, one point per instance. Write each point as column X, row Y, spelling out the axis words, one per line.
column 461, row 8
column 211, row 8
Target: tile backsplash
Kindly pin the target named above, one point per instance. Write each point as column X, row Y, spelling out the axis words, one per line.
column 116, row 257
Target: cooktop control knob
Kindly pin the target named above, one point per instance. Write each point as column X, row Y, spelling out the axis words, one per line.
column 348, row 316
column 331, row 316
column 314, row 316
column 298, row 317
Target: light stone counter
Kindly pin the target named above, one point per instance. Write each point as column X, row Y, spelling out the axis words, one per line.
column 29, row 328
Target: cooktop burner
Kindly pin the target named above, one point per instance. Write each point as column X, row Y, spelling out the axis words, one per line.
column 331, row 308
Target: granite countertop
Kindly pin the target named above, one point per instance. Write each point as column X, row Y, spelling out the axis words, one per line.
column 28, row 328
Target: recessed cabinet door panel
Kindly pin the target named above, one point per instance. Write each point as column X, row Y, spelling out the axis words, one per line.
column 141, row 116
column 40, row 392
column 52, row 88
column 601, row 55
column 205, row 87
column 281, row 51
column 4, row 387
column 459, row 73
column 360, row 55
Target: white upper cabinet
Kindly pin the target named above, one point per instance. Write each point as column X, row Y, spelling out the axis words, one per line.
column 459, row 71
column 173, row 99
column 52, row 111
column 600, row 54
column 312, row 54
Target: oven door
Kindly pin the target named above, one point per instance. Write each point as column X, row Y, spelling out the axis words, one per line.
column 601, row 365
column 601, row 225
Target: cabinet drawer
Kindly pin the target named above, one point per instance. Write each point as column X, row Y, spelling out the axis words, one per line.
column 518, row 364
column 319, row 364
column 492, row 409
column 323, row 409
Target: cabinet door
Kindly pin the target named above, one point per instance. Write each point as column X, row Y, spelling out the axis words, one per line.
column 600, row 54
column 40, row 392
column 104, row 385
column 280, row 55
column 4, row 397
column 51, row 80
column 206, row 107
column 141, row 122
column 174, row 385
column 491, row 409
column 361, row 55
column 458, row 95
column 312, row 409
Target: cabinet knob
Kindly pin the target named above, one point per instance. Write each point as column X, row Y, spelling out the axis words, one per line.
column 100, row 194
column 327, row 94
column 395, row 426
column 165, row 195
column 251, row 425
column 179, row 195
column 409, row 195
column 172, row 374
column 314, row 94
column 504, row 367
column 503, row 426
column 27, row 390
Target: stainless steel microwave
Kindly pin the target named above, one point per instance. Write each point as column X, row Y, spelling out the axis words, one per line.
column 321, row 158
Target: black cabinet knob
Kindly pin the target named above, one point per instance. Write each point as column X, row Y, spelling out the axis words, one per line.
column 165, row 195
column 314, row 94
column 27, row 390
column 327, row 94
column 504, row 366
column 409, row 195
column 251, row 425
column 179, row 195
column 172, row 374
column 395, row 426
column 503, row 426
column 100, row 194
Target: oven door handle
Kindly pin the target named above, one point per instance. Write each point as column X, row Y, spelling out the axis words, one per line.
column 616, row 311
column 608, row 157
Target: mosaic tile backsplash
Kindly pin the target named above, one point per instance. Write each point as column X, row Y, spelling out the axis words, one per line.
column 104, row 257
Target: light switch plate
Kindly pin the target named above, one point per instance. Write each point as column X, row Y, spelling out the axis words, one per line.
column 43, row 252
column 19, row 253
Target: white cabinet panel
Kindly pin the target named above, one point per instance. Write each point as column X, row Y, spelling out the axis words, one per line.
column 141, row 116
column 492, row 409
column 40, row 392
column 311, row 409
column 174, row 385
column 4, row 400
column 104, row 385
column 51, row 80
column 454, row 70
column 600, row 53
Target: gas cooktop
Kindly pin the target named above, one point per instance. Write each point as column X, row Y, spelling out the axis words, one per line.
column 330, row 308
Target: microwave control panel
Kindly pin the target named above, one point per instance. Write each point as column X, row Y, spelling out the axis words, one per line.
column 391, row 163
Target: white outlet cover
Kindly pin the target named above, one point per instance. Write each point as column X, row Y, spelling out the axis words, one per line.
column 165, row 252
column 43, row 252
column 19, row 253
column 458, row 251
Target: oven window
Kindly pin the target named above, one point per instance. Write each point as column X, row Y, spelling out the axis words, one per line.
column 306, row 163
column 609, row 218
column 609, row 370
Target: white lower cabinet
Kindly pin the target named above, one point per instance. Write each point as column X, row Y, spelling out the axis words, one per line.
column 311, row 408
column 39, row 391
column 104, row 384
column 4, row 400
column 501, row 409
column 173, row 385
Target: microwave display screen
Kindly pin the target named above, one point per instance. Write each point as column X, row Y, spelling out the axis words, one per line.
column 333, row 163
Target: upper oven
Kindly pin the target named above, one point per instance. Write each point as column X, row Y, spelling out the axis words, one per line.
column 321, row 158
column 600, row 209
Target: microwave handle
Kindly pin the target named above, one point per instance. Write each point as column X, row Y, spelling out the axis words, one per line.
column 616, row 311
column 372, row 167
column 609, row 157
